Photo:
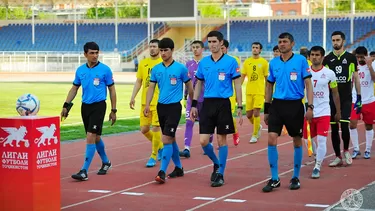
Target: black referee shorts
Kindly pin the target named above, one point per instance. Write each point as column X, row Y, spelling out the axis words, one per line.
column 169, row 117
column 216, row 113
column 93, row 116
column 290, row 113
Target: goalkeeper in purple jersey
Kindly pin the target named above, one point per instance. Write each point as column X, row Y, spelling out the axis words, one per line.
column 197, row 47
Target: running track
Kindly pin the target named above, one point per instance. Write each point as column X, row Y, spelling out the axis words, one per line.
column 129, row 185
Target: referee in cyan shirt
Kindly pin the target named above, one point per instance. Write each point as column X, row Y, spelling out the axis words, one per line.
column 169, row 76
column 217, row 72
column 94, row 77
column 292, row 74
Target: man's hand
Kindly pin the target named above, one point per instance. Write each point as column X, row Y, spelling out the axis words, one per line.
column 193, row 114
column 146, row 111
column 112, row 117
column 239, row 114
column 358, row 104
column 64, row 114
column 132, row 103
column 266, row 119
column 368, row 61
column 338, row 116
column 309, row 115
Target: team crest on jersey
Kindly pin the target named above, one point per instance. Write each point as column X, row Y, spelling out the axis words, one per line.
column 293, row 76
column 323, row 76
column 344, row 61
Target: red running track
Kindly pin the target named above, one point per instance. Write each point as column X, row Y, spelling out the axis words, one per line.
column 246, row 173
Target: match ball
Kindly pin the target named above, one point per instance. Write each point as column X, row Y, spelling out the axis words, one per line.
column 28, row 105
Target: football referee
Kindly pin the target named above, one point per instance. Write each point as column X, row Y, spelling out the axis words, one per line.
column 94, row 77
column 292, row 74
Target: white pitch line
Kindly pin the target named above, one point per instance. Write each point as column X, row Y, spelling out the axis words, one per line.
column 99, row 191
column 317, row 205
column 133, row 193
column 235, row 200
column 204, row 198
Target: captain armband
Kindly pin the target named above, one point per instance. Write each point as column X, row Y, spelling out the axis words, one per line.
column 266, row 107
column 333, row 84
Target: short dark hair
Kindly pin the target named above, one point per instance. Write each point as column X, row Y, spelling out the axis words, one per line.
column 286, row 35
column 90, row 46
column 304, row 51
column 318, row 48
column 257, row 43
column 372, row 53
column 226, row 43
column 166, row 43
column 338, row 33
column 276, row 47
column 216, row 34
column 154, row 41
column 198, row 42
column 361, row 50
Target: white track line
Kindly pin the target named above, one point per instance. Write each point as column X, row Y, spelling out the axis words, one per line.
column 152, row 182
column 255, row 184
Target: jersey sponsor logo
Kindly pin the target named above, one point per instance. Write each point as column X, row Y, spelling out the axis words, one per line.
column 364, row 83
column 341, row 79
column 318, row 94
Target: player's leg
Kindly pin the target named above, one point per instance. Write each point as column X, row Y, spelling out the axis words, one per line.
column 257, row 105
column 206, row 128
column 99, row 116
column 236, row 135
column 163, row 114
column 335, row 137
column 224, row 124
column 171, row 128
column 294, row 118
column 188, row 132
column 354, row 117
column 322, row 126
column 275, row 124
column 157, row 144
column 249, row 108
column 345, row 132
column 368, row 112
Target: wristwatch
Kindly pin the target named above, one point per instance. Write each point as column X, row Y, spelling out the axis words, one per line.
column 114, row 110
column 311, row 106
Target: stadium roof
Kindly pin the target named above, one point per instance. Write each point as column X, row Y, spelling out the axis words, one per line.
column 94, row 2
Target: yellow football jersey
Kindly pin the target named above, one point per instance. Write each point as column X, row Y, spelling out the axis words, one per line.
column 255, row 70
column 144, row 73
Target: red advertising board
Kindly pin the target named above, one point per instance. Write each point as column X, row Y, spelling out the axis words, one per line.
column 30, row 163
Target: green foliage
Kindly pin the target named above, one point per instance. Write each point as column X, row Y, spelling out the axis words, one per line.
column 124, row 11
column 345, row 6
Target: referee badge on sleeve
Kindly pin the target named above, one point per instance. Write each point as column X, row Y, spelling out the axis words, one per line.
column 173, row 81
column 293, row 76
column 96, row 81
column 221, row 76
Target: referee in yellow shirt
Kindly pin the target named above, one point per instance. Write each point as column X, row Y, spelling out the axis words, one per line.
column 143, row 80
column 236, row 135
column 255, row 69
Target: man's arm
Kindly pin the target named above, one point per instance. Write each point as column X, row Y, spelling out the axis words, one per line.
column 336, row 99
column 189, row 89
column 112, row 96
column 136, row 88
column 269, row 92
column 238, row 88
column 371, row 67
column 357, row 82
column 309, row 90
column 197, row 90
column 72, row 94
column 150, row 93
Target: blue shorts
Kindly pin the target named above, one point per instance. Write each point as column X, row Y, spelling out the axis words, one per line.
column 188, row 108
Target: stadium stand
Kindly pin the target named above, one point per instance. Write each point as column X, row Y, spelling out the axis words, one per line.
column 60, row 37
column 245, row 32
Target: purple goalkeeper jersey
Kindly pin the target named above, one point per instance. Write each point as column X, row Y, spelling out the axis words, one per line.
column 192, row 66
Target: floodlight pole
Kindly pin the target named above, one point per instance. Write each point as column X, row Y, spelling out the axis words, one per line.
column 228, row 22
column 352, row 21
column 325, row 24
column 116, row 23
column 75, row 22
